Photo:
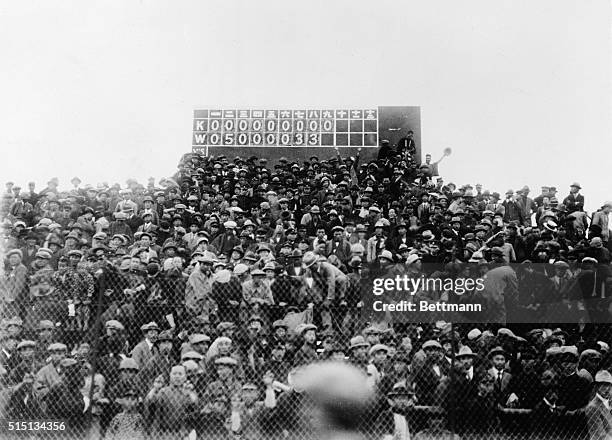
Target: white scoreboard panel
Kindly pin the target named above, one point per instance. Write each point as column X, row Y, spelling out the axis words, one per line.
column 284, row 128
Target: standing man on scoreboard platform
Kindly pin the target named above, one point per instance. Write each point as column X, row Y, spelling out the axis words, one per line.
column 406, row 145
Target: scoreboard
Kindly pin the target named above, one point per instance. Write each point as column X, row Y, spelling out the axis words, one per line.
column 285, row 128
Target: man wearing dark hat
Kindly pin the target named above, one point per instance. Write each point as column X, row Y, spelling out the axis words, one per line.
column 307, row 340
column 159, row 364
column 526, row 204
column 402, row 399
column 574, row 201
column 338, row 245
column 512, row 209
column 574, row 389
column 497, row 356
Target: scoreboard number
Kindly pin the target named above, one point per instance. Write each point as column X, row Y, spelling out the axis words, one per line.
column 286, row 125
column 313, row 139
column 256, row 139
column 313, row 125
column 285, row 139
column 271, row 138
column 215, row 138
column 215, row 124
column 228, row 125
column 243, row 139
column 229, row 138
column 243, row 125
column 270, row 125
column 299, row 125
column 257, row 125
column 299, row 139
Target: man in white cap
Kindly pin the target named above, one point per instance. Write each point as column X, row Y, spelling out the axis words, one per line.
column 599, row 418
column 143, row 351
column 335, row 284
column 227, row 241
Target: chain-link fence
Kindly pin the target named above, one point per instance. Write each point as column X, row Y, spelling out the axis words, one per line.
column 111, row 351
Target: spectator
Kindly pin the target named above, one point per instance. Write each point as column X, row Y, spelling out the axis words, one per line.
column 277, row 270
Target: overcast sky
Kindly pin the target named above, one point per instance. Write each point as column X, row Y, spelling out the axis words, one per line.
column 520, row 89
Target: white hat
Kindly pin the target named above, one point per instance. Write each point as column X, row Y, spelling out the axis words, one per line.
column 432, row 344
column 465, row 351
column 240, row 268
column 386, row 254
column 230, row 224
column 603, row 376
column 474, row 334
column 378, row 347
column 506, row 332
column 412, row 259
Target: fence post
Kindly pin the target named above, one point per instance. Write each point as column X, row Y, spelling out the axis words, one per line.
column 452, row 394
column 97, row 338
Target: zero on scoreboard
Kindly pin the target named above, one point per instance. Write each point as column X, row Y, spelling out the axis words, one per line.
column 285, row 128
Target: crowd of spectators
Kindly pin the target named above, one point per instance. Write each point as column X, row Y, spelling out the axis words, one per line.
column 188, row 306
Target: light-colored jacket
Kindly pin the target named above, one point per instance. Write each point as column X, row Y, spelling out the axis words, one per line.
column 599, row 420
column 600, row 218
column 46, row 377
column 141, row 353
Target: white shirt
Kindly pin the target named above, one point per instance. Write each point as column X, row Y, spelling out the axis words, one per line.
column 498, row 374
column 470, row 373
column 402, row 432
column 606, row 402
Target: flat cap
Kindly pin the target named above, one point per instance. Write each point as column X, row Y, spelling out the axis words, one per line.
column 226, row 360
column 114, row 324
column 128, row 364
column 198, row 338
column 57, row 346
column 26, row 344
